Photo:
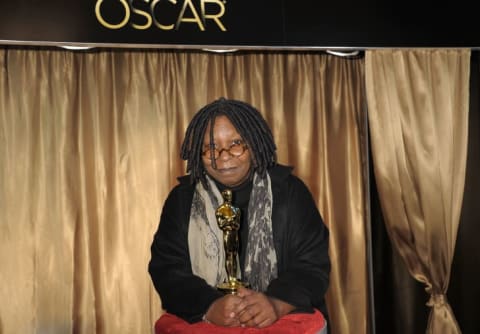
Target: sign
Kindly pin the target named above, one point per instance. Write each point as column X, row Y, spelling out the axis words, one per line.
column 238, row 23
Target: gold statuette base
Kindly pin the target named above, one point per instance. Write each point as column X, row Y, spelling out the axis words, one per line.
column 231, row 287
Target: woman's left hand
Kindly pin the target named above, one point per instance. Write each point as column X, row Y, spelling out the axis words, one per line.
column 255, row 309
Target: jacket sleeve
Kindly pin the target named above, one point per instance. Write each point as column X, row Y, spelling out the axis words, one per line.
column 182, row 293
column 302, row 250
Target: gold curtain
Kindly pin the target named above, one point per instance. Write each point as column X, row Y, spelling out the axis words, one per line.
column 418, row 116
column 89, row 148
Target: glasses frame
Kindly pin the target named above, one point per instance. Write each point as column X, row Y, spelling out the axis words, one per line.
column 239, row 142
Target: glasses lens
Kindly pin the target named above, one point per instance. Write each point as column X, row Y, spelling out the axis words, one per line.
column 207, row 153
column 237, row 149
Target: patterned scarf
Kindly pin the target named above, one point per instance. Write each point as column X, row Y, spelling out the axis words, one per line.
column 205, row 238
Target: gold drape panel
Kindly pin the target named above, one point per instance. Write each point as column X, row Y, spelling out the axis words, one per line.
column 89, row 148
column 418, row 116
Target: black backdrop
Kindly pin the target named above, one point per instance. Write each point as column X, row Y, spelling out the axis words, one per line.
column 247, row 23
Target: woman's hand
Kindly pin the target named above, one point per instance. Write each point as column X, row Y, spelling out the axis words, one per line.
column 247, row 308
column 258, row 310
column 222, row 312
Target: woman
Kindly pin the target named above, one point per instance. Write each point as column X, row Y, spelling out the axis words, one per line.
column 283, row 242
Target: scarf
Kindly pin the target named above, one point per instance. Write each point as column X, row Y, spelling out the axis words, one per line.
column 205, row 238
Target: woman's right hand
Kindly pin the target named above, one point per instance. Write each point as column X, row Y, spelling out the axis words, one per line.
column 222, row 311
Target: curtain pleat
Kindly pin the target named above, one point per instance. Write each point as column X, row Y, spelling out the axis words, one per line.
column 89, row 149
column 418, row 116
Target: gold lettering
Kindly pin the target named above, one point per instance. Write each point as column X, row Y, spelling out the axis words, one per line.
column 215, row 17
column 195, row 19
column 148, row 14
column 141, row 13
column 158, row 24
column 110, row 25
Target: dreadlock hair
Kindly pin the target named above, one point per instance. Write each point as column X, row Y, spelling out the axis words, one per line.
column 249, row 123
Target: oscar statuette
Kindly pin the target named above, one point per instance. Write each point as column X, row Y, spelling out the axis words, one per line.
column 228, row 219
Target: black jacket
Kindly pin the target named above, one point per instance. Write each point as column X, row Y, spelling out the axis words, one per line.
column 301, row 245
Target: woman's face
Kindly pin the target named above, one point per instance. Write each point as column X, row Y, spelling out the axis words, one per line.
column 231, row 170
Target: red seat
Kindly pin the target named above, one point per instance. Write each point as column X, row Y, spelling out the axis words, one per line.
column 298, row 323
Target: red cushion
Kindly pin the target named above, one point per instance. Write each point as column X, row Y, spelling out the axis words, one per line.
column 298, row 323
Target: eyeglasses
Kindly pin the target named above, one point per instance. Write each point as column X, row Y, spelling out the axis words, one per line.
column 236, row 149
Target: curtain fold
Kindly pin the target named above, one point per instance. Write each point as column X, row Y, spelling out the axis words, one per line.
column 89, row 149
column 418, row 117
